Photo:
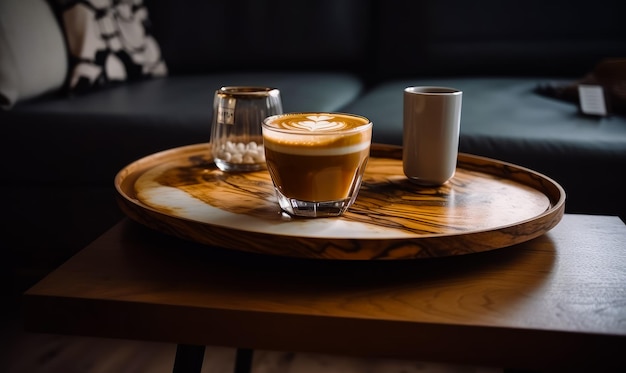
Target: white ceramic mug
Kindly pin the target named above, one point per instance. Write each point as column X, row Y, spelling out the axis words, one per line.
column 431, row 125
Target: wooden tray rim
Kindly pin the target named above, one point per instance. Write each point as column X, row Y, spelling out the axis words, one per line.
column 164, row 222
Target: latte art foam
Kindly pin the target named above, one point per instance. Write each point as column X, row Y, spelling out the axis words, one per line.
column 315, row 123
column 312, row 122
column 317, row 134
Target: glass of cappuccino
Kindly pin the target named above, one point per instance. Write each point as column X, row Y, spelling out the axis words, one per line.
column 316, row 160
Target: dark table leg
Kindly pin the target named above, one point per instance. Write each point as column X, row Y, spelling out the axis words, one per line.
column 243, row 360
column 188, row 359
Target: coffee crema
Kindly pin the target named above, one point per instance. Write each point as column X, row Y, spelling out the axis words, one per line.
column 317, row 134
column 317, row 123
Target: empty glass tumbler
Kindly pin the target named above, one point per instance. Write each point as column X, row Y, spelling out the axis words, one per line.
column 236, row 135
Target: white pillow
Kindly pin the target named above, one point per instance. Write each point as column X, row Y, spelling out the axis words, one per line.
column 33, row 56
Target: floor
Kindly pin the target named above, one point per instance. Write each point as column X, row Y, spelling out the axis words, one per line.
column 23, row 352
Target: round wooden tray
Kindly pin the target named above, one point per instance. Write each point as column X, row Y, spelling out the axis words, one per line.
column 487, row 205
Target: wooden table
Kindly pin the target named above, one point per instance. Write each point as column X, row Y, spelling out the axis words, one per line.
column 555, row 302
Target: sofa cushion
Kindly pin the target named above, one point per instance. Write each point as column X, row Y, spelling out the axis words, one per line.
column 504, row 118
column 33, row 58
column 109, row 42
column 103, row 131
column 610, row 74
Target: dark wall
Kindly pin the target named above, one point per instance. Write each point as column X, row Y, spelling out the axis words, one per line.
column 531, row 37
column 201, row 35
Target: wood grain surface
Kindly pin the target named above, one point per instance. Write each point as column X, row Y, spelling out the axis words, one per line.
column 487, row 205
column 554, row 303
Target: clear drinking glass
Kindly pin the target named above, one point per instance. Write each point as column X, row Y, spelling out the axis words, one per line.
column 236, row 135
column 316, row 160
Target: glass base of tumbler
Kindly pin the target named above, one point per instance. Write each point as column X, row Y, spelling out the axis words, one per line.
column 309, row 209
column 239, row 167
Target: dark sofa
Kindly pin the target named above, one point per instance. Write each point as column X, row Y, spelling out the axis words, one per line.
column 61, row 151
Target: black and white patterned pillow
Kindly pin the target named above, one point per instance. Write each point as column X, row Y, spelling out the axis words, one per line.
column 109, row 41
